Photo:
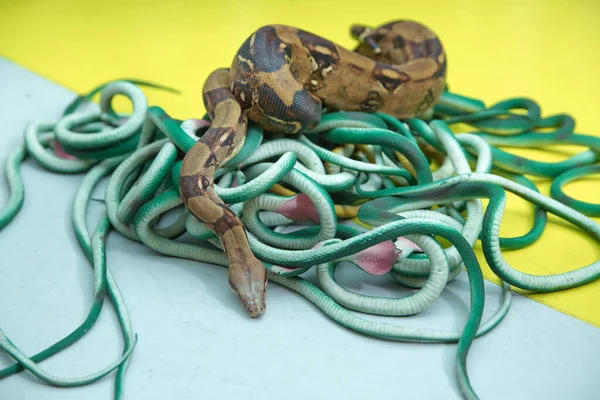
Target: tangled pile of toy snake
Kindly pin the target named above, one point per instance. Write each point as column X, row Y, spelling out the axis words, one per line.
column 407, row 180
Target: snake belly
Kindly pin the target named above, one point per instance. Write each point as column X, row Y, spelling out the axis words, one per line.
column 281, row 78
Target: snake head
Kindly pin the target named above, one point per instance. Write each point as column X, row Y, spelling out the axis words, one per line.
column 364, row 35
column 248, row 279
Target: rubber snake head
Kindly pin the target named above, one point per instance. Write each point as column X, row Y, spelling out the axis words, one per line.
column 248, row 280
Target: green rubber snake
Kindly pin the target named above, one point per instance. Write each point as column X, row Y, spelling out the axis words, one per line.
column 142, row 162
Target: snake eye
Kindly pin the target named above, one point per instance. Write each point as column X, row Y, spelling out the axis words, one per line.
column 356, row 31
column 287, row 52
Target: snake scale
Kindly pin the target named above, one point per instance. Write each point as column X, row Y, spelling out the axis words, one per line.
column 281, row 78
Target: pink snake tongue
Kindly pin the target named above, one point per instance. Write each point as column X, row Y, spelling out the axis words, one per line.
column 299, row 208
column 60, row 152
column 378, row 259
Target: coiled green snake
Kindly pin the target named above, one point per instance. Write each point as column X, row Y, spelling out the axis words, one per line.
column 340, row 164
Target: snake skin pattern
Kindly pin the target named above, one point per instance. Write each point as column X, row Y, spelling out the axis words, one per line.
column 281, row 78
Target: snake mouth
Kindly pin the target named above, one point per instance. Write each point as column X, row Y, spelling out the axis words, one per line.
column 255, row 308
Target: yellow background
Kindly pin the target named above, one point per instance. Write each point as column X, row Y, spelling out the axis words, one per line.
column 546, row 50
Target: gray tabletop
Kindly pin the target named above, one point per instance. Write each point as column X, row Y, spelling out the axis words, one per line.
column 195, row 340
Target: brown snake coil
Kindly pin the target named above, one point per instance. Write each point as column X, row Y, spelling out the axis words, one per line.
column 280, row 78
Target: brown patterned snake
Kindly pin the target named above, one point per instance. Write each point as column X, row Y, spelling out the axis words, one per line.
column 281, row 78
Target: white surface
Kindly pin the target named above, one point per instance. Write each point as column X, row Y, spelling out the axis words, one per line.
column 195, row 340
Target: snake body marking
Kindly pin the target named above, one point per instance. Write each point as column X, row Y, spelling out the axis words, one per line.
column 281, row 78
